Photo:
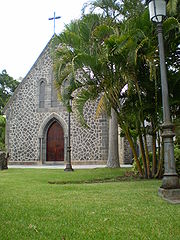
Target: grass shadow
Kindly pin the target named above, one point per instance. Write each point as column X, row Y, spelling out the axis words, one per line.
column 128, row 176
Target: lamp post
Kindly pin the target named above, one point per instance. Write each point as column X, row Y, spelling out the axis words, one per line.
column 68, row 164
column 157, row 10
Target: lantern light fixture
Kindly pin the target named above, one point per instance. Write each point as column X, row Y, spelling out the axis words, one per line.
column 157, row 10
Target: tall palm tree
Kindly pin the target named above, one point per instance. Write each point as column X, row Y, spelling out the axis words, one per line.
column 80, row 55
column 109, row 56
column 103, row 66
column 113, row 155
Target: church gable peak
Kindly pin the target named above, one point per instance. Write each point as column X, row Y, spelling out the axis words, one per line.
column 30, row 75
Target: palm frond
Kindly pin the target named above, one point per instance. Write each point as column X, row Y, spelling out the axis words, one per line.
column 82, row 97
column 170, row 24
column 172, row 7
column 101, row 107
column 140, row 45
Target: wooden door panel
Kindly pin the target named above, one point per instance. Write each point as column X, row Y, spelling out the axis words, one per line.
column 55, row 143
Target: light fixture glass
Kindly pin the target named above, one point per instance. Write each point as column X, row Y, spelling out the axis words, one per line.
column 157, row 10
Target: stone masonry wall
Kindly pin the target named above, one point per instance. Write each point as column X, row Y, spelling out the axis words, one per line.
column 25, row 118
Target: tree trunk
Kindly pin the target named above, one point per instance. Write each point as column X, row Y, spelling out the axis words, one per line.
column 154, row 162
column 159, row 148
column 147, row 156
column 160, row 163
column 128, row 136
column 146, row 152
column 113, row 155
column 143, row 154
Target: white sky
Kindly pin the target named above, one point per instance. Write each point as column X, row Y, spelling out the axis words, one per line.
column 25, row 30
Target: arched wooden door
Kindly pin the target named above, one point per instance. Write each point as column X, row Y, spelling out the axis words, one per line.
column 55, row 143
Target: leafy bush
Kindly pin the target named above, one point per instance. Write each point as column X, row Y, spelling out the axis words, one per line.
column 177, row 158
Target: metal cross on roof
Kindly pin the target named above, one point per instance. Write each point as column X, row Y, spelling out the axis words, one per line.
column 54, row 18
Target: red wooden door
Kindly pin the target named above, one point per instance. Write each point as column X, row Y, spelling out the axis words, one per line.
column 55, row 143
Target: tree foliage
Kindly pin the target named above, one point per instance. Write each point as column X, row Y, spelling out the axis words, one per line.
column 114, row 56
column 7, row 87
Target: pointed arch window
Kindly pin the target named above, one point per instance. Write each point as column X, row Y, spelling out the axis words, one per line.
column 41, row 94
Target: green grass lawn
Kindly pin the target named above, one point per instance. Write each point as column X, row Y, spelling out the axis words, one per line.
column 31, row 208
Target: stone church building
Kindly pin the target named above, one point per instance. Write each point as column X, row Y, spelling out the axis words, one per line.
column 37, row 124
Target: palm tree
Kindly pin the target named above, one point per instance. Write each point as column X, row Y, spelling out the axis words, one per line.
column 115, row 9
column 138, row 47
column 110, row 56
column 113, row 155
column 102, row 65
column 80, row 54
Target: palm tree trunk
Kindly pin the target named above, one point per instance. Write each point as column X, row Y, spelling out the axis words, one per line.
column 129, row 138
column 144, row 133
column 159, row 148
column 159, row 172
column 113, row 154
column 146, row 153
column 160, row 163
column 154, row 163
column 143, row 155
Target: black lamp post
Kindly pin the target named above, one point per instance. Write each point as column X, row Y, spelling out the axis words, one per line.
column 157, row 10
column 68, row 164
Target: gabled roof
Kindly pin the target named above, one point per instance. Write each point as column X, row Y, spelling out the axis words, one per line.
column 26, row 77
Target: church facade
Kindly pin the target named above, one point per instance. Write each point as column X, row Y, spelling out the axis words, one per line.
column 37, row 123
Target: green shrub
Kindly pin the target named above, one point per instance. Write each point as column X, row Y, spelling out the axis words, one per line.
column 177, row 158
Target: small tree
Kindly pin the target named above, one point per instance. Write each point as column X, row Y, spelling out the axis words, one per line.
column 7, row 87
